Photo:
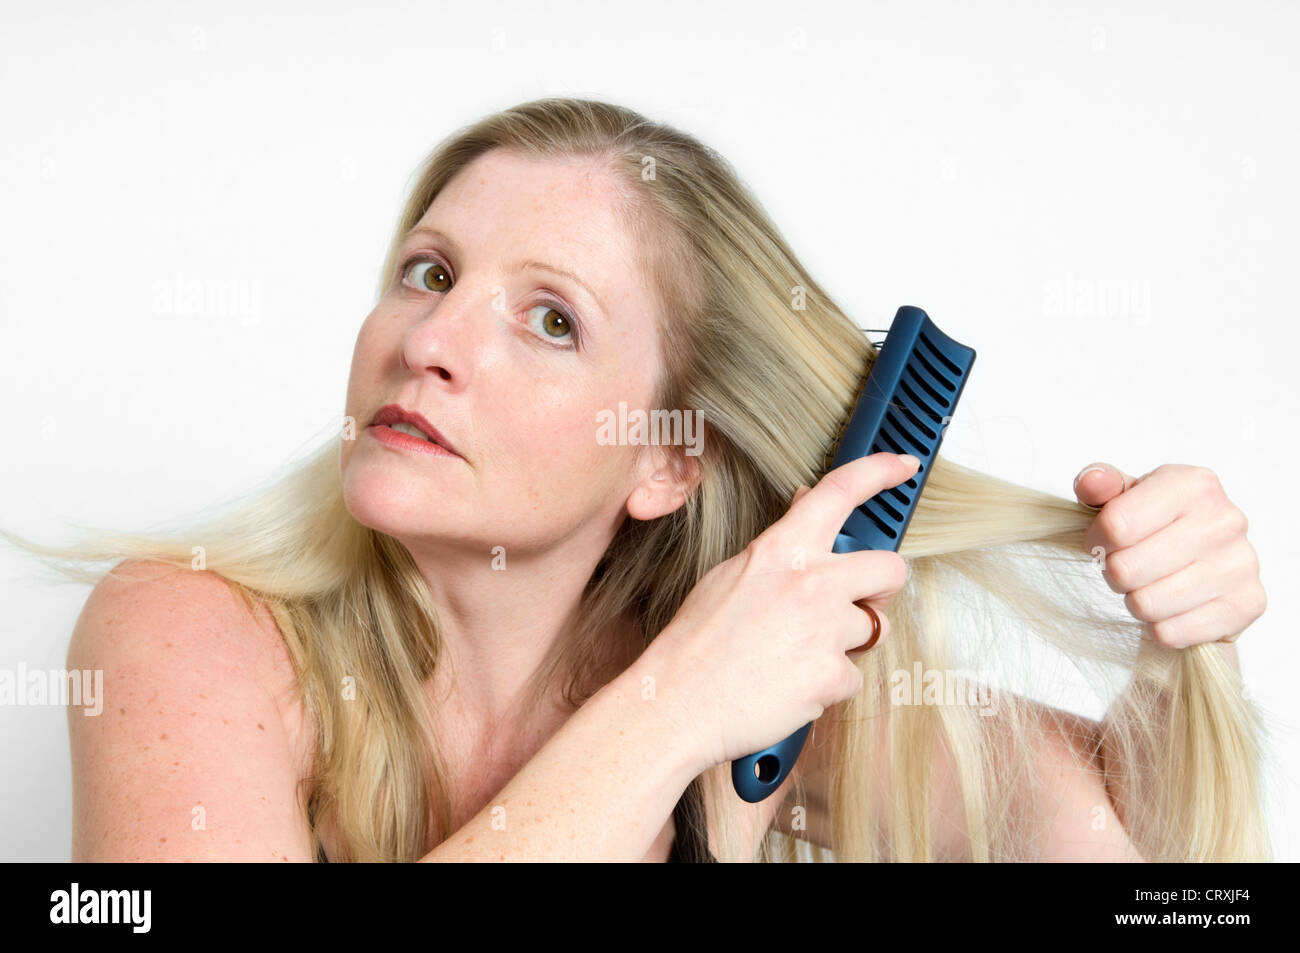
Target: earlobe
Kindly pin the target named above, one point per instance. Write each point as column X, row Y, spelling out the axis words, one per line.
column 654, row 498
column 663, row 491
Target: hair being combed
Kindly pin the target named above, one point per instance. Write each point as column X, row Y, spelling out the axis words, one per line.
column 996, row 570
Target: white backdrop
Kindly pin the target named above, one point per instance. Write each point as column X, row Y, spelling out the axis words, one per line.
column 1101, row 199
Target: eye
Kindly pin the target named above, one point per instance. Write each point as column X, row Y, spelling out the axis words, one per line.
column 555, row 323
column 429, row 275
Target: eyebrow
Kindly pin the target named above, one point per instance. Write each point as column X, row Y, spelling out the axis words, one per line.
column 518, row 266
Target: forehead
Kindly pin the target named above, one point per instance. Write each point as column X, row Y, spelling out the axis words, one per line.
column 564, row 211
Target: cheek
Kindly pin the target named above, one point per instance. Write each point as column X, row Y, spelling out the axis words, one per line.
column 555, row 432
column 374, row 350
column 365, row 373
column 554, row 451
column 368, row 350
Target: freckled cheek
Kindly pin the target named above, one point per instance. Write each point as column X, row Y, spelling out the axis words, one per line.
column 534, row 471
column 555, row 455
column 559, row 442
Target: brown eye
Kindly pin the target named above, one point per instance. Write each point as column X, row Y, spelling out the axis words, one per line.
column 430, row 275
column 552, row 320
column 555, row 323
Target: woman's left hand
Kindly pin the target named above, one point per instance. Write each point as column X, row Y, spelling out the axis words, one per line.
column 1176, row 546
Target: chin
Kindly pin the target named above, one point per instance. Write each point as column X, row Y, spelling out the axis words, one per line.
column 387, row 501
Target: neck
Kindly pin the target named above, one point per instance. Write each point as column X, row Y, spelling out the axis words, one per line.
column 500, row 621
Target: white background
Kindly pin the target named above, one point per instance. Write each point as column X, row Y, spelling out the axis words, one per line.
column 1100, row 198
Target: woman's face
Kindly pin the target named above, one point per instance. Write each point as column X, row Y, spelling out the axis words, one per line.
column 510, row 364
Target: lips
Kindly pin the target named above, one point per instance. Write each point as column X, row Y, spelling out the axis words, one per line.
column 391, row 414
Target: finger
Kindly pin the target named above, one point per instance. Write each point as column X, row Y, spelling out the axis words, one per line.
column 1184, row 590
column 1166, row 552
column 868, row 575
column 820, row 514
column 1159, row 498
column 1206, row 623
column 862, row 636
column 868, row 578
column 1098, row 483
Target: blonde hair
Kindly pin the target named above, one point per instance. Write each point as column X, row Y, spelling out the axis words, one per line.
column 994, row 568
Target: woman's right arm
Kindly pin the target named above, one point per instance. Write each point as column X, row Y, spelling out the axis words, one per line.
column 601, row 788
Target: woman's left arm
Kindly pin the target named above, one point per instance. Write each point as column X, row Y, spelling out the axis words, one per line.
column 1174, row 544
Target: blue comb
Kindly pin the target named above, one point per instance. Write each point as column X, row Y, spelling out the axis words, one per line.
column 905, row 407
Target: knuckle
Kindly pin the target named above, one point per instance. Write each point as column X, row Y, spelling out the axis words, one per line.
column 1112, row 523
column 1207, row 482
column 1165, row 635
column 1233, row 523
column 763, row 552
column 1140, row 603
column 741, row 563
column 837, row 481
column 1121, row 573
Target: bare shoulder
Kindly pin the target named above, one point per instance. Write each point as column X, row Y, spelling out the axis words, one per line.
column 1064, row 789
column 1054, row 781
column 151, row 610
column 202, row 604
column 191, row 756
column 1067, row 792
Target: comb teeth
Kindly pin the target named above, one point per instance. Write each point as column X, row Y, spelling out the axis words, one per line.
column 905, row 406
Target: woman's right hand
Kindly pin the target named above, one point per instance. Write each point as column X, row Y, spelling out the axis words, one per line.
column 758, row 648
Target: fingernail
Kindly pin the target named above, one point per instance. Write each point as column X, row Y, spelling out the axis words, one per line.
column 1084, row 472
column 910, row 460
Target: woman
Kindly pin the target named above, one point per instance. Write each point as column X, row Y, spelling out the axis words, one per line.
column 470, row 629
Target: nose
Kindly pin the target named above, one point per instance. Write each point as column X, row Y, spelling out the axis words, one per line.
column 442, row 342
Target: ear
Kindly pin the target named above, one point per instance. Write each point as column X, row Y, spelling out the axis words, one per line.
column 668, row 476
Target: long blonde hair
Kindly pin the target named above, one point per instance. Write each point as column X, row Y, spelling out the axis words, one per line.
column 996, row 570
